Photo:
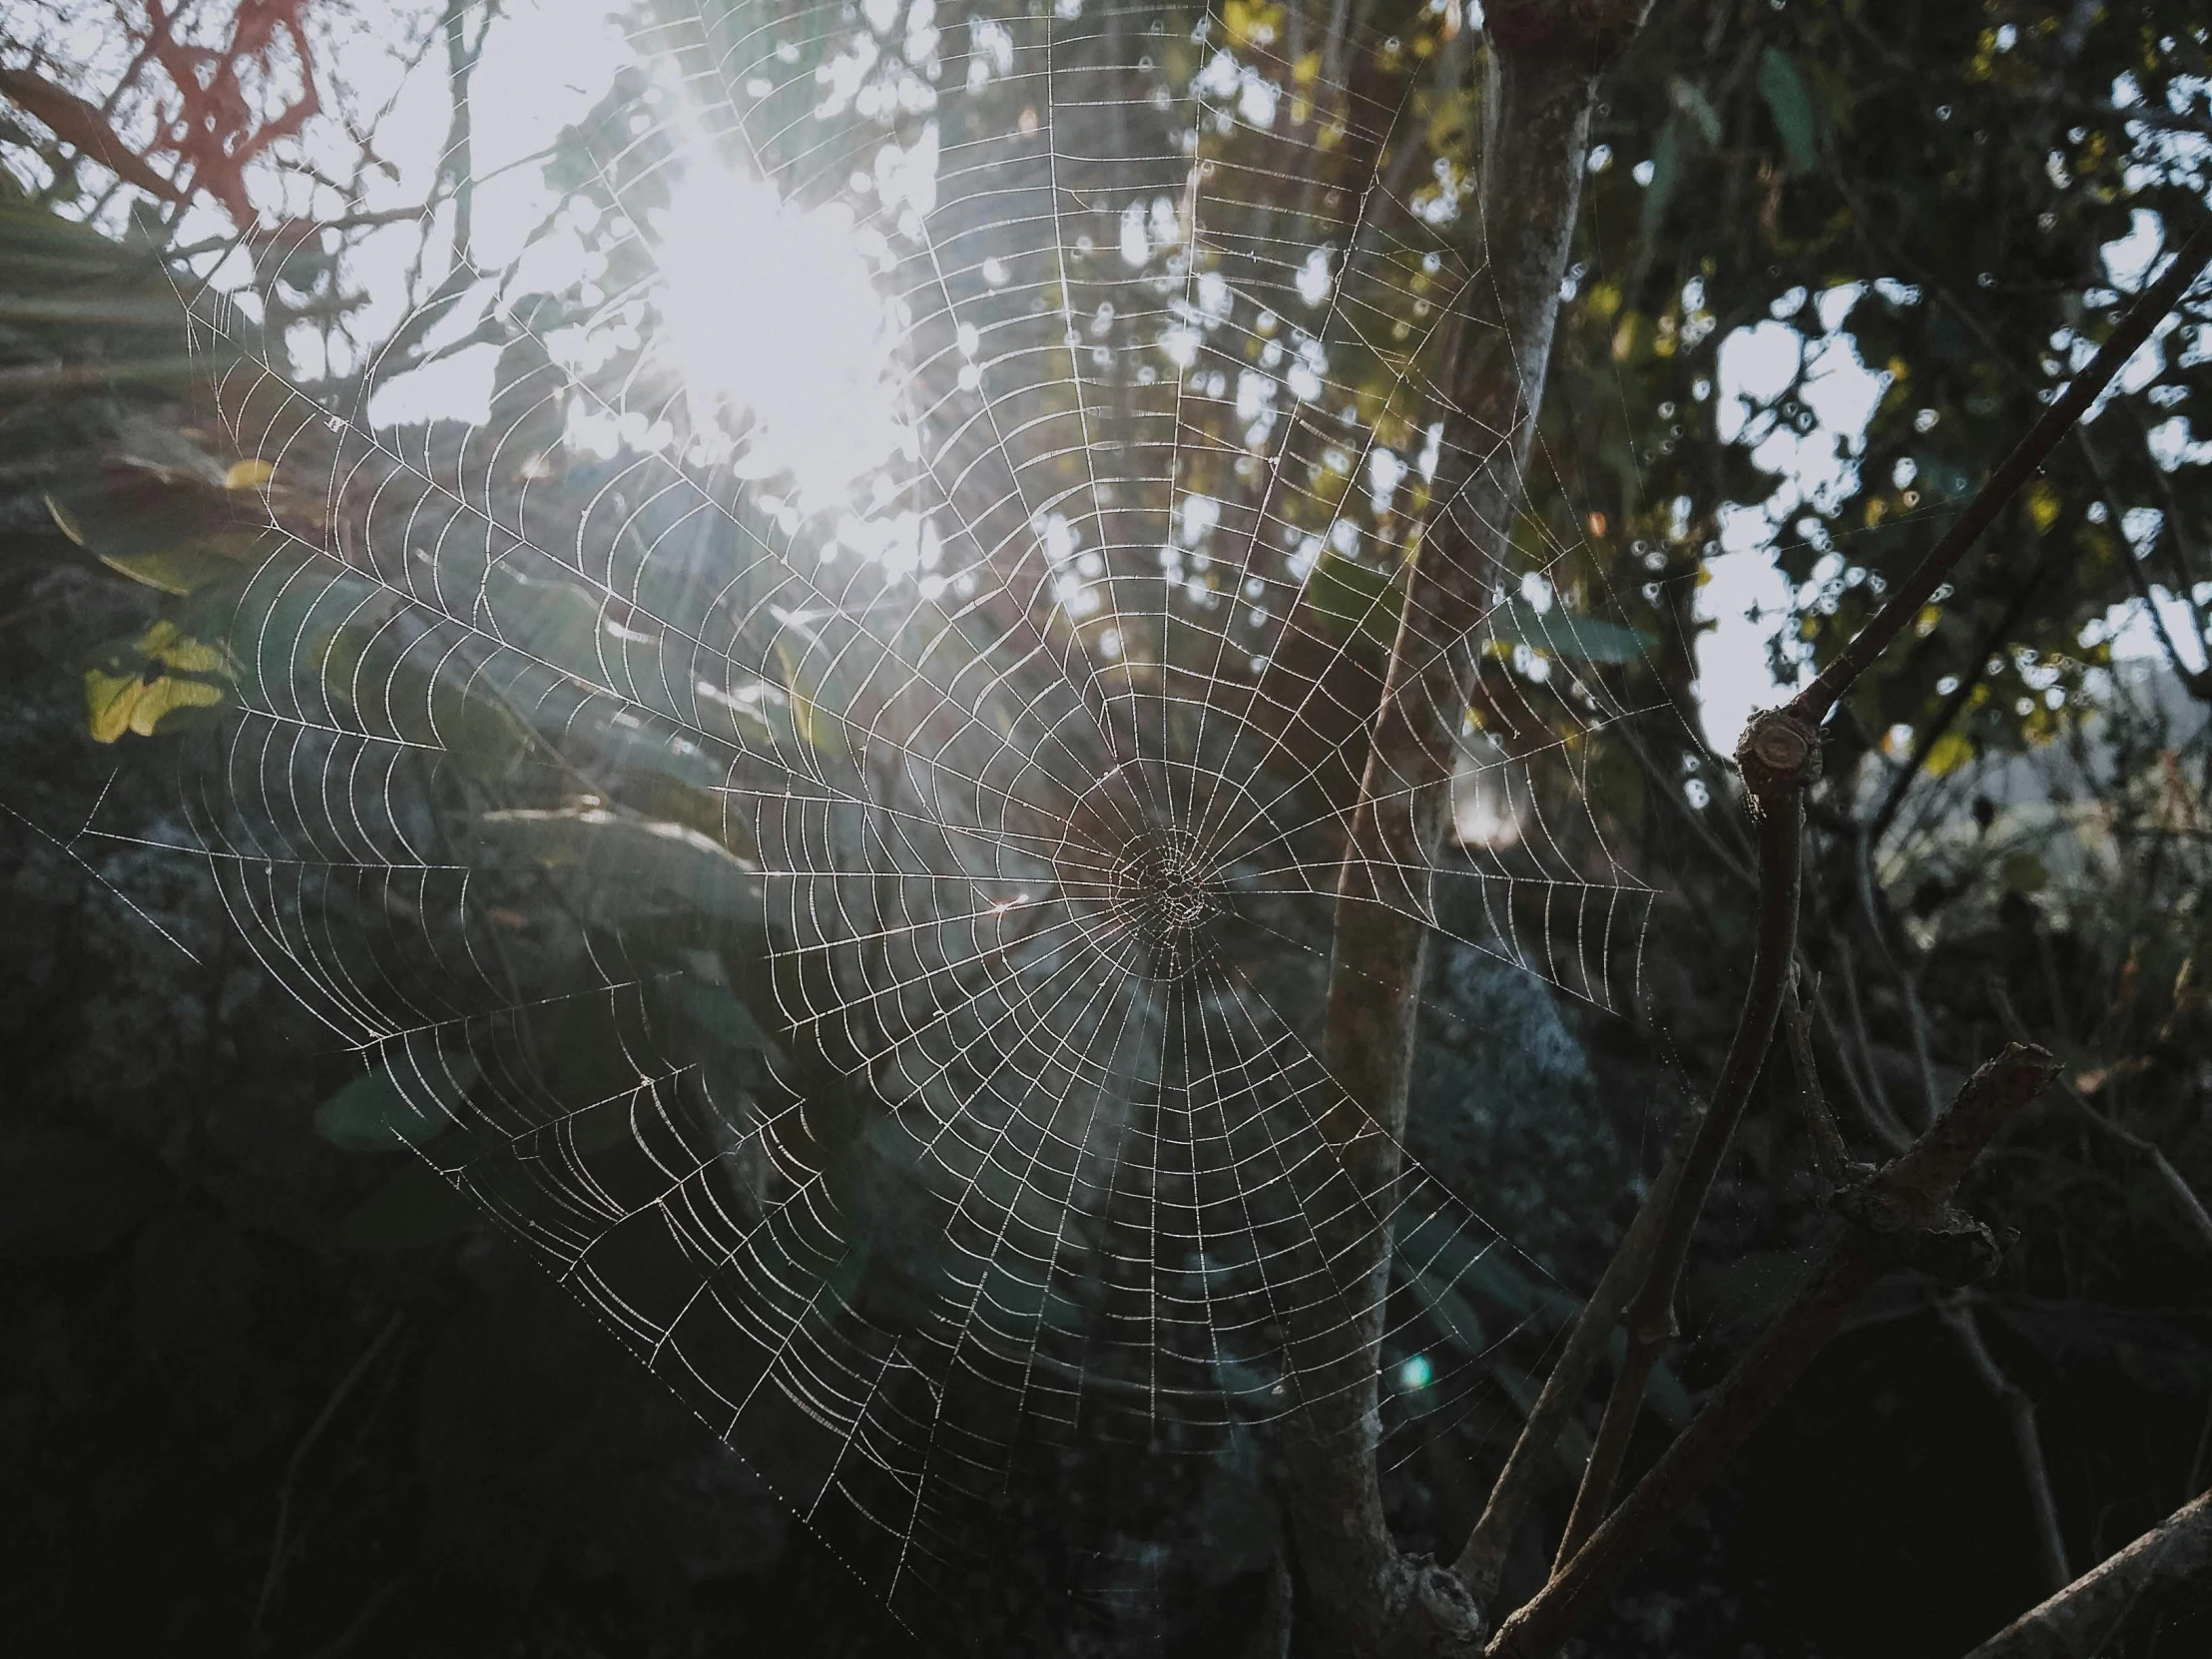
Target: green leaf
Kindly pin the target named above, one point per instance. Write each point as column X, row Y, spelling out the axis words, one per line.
column 1668, row 1400
column 1791, row 102
column 614, row 860
column 281, row 626
column 155, row 531
column 622, row 742
column 1483, row 1272
column 138, row 685
column 550, row 618
column 378, row 1113
column 1453, row 1315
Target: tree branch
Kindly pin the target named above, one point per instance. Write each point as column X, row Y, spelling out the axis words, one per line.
column 1483, row 1558
column 1778, row 757
column 1956, row 1313
column 1829, row 1150
column 1902, row 1217
column 2081, row 1618
column 84, row 127
column 1362, row 1595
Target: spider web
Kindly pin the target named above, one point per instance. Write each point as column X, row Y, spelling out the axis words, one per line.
column 875, row 956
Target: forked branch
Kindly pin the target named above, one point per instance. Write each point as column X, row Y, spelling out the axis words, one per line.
column 1780, row 759
column 1902, row 1217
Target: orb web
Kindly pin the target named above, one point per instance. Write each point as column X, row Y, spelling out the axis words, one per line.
column 860, row 916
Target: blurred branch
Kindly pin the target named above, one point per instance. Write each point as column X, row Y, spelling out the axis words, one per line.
column 297, row 229
column 461, row 58
column 84, row 127
column 2081, row 1618
column 1915, row 1015
column 1879, row 1113
column 1957, row 1314
column 279, row 1545
column 1914, row 594
column 1927, row 735
column 2197, row 681
column 2183, row 551
column 2184, row 1196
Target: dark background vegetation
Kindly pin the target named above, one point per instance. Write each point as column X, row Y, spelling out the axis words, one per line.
column 262, row 1394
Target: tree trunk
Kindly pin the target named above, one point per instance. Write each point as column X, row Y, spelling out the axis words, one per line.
column 1360, row 1595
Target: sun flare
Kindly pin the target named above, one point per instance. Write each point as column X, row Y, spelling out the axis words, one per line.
column 772, row 318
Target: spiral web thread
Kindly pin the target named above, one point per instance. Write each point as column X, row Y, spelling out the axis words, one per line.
column 887, row 993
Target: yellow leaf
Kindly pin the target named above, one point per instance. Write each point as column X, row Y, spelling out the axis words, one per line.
column 115, row 704
column 1250, row 23
column 1449, row 126
column 109, row 702
column 164, row 670
column 2043, row 504
column 170, row 645
column 247, row 475
column 1951, row 751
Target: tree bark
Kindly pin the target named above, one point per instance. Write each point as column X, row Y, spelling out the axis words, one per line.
column 1360, row 1596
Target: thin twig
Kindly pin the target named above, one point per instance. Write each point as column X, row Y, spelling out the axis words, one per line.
column 1916, row 1016
column 1879, row 1109
column 1650, row 1317
column 280, row 1545
column 2184, row 1196
column 1872, row 1108
column 2196, row 681
column 1956, row 1313
column 342, row 1642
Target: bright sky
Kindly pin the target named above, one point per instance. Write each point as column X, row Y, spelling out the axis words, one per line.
column 817, row 386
